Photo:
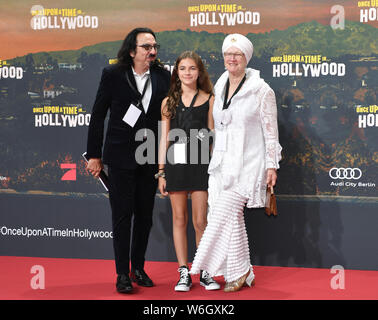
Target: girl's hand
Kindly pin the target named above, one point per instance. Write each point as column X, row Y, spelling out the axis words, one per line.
column 162, row 184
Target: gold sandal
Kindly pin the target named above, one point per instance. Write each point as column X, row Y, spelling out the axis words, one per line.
column 247, row 279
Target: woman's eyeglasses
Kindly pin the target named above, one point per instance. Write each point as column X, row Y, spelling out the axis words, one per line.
column 231, row 54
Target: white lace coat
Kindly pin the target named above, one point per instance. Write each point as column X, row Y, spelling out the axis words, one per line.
column 252, row 145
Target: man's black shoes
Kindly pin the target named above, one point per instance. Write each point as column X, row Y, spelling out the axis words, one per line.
column 124, row 284
column 141, row 278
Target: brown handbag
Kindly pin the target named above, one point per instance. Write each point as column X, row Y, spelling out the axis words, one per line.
column 270, row 203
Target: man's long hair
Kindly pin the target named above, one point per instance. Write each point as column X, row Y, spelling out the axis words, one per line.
column 175, row 91
column 130, row 45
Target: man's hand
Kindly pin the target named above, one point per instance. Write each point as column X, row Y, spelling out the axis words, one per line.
column 94, row 166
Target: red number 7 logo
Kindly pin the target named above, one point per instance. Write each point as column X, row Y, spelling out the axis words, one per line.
column 70, row 175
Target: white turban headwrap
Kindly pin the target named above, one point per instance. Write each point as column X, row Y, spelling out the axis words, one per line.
column 239, row 41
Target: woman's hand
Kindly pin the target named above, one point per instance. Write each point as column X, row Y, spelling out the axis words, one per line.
column 271, row 177
column 94, row 166
column 162, row 184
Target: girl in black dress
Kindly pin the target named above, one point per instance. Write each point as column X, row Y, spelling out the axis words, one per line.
column 184, row 153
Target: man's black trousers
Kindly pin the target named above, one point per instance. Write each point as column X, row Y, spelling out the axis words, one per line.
column 131, row 194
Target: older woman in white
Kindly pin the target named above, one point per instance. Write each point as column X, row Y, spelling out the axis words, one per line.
column 244, row 161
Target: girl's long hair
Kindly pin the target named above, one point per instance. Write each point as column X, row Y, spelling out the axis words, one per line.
column 175, row 91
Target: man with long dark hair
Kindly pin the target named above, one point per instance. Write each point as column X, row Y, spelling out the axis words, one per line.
column 132, row 90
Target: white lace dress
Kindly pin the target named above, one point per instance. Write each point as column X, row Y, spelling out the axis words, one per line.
column 252, row 145
column 238, row 166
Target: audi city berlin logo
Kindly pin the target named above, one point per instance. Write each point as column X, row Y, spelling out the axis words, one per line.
column 345, row 173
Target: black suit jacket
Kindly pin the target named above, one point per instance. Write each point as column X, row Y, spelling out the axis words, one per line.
column 114, row 93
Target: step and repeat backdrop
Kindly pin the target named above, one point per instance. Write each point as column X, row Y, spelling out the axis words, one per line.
column 320, row 57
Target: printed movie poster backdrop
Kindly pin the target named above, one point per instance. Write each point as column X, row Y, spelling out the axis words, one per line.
column 320, row 57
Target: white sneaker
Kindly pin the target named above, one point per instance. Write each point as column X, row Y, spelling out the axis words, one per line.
column 185, row 281
column 208, row 282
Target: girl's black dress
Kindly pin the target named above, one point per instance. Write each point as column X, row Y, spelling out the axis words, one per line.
column 193, row 175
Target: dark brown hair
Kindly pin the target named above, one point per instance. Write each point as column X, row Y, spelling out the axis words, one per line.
column 175, row 91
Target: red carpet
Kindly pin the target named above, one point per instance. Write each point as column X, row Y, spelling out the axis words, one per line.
column 79, row 279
